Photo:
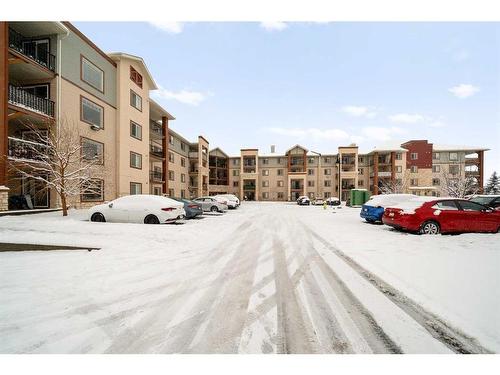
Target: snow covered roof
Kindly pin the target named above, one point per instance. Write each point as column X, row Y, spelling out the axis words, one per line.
column 457, row 148
column 386, row 147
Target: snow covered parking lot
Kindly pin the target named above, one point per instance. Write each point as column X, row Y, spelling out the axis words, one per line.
column 265, row 278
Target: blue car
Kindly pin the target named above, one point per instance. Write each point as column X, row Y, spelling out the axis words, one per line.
column 373, row 210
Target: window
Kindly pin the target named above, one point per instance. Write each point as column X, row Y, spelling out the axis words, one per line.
column 265, row 195
column 414, row 182
column 171, row 139
column 265, row 161
column 135, row 77
column 471, row 206
column 157, row 190
column 183, row 146
column 281, row 195
column 236, row 172
column 135, row 160
column 265, row 183
column 361, row 183
column 414, row 169
column 171, row 175
column 435, row 155
column 235, row 161
column 454, row 169
column 327, row 194
column 280, row 183
column 310, row 172
column 135, row 188
column 453, row 156
column 93, row 190
column 328, row 183
column 310, row 183
column 183, row 162
column 328, row 171
column 183, row 193
column 361, row 159
column 310, row 160
column 171, row 192
column 436, row 168
column 41, row 91
column 135, row 130
column 92, row 150
column 399, row 156
column 235, row 183
column 446, row 206
column 279, row 172
column 326, row 160
column 183, row 177
column 279, row 160
column 436, row 182
column 135, row 100
column 171, row 157
column 360, row 171
column 265, row 172
column 91, row 113
column 414, row 156
column 92, row 75
column 399, row 169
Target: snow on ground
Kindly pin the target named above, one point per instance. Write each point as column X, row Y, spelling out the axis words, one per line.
column 254, row 280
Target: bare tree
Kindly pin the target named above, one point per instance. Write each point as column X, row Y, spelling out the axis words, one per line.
column 56, row 157
column 396, row 186
column 458, row 187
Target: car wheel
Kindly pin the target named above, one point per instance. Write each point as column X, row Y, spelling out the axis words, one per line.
column 214, row 209
column 370, row 221
column 430, row 227
column 98, row 217
column 151, row 219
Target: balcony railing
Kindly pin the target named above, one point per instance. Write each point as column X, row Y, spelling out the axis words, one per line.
column 249, row 187
column 156, row 130
column 156, row 151
column 29, row 48
column 156, row 176
column 27, row 150
column 22, row 98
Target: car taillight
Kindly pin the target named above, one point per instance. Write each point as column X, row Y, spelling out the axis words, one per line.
column 192, row 205
column 168, row 209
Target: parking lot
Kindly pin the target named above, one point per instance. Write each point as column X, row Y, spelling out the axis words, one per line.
column 264, row 278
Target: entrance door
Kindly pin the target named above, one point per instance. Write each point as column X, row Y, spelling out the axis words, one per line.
column 38, row 192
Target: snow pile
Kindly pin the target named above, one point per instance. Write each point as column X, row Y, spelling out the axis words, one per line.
column 388, row 200
column 409, row 206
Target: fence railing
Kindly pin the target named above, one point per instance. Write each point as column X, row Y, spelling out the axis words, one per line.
column 23, row 98
column 31, row 49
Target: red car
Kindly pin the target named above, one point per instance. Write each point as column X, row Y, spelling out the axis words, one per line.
column 442, row 215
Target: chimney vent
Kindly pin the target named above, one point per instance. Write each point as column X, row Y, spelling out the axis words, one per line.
column 273, row 149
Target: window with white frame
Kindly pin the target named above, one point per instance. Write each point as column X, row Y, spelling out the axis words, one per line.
column 436, row 168
column 135, row 130
column 414, row 169
column 265, row 183
column 135, row 188
column 135, row 160
column 453, row 156
column 265, row 172
column 414, row 156
column 280, row 183
column 135, row 100
column 399, row 169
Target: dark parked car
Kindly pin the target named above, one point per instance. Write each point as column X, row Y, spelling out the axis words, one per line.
column 192, row 209
column 492, row 201
column 432, row 216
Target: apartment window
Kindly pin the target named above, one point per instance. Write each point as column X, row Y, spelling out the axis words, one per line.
column 135, row 188
column 183, row 177
column 328, row 171
column 326, row 160
column 414, row 182
column 236, row 172
column 171, row 157
column 235, row 183
column 281, row 195
column 310, row 183
column 399, row 181
column 183, row 193
column 454, row 169
column 135, row 77
column 414, row 156
column 281, row 183
column 171, row 139
column 360, row 171
column 310, row 160
column 135, row 130
column 435, row 155
column 453, row 156
column 91, row 113
column 361, row 159
column 327, row 194
column 93, row 190
column 399, row 156
column 279, row 160
column 135, row 100
column 399, row 169
column 414, row 169
column 92, row 150
column 327, row 183
column 265, row 183
column 436, row 168
column 235, row 161
column 91, row 74
column 436, row 182
column 157, row 190
column 265, row 161
column 361, row 183
column 135, row 160
column 265, row 195
column 265, row 172
column 183, row 162
column 310, row 172
column 279, row 172
column 171, row 192
column 183, row 146
column 171, row 175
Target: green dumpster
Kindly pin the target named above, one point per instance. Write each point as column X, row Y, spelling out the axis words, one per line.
column 359, row 197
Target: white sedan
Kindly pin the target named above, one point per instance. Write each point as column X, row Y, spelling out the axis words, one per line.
column 142, row 208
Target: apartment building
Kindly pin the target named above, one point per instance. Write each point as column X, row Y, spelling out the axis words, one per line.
column 416, row 167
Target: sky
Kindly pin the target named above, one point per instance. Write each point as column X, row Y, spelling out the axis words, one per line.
column 321, row 85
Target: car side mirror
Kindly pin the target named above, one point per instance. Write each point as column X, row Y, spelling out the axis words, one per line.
column 110, row 205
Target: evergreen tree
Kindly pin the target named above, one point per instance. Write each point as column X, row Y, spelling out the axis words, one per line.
column 493, row 185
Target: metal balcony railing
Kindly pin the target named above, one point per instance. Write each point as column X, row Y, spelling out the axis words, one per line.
column 22, row 98
column 156, row 151
column 156, row 130
column 27, row 150
column 29, row 48
column 156, row 176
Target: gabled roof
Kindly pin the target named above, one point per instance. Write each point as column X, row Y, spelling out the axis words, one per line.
column 116, row 56
column 297, row 145
column 220, row 150
column 157, row 109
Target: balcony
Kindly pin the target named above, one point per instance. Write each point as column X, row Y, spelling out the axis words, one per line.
column 32, row 50
column 156, row 176
column 156, row 151
column 193, row 155
column 249, row 170
column 155, row 130
column 24, row 99
column 26, row 150
column 381, row 174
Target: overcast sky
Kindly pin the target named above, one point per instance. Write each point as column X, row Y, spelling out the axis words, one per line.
column 321, row 84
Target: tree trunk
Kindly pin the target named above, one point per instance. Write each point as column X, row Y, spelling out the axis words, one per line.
column 63, row 202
